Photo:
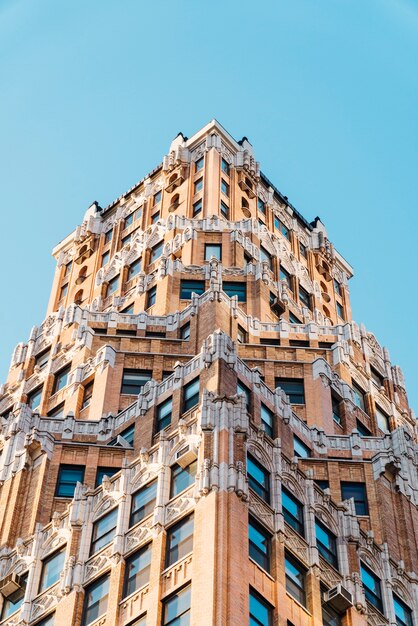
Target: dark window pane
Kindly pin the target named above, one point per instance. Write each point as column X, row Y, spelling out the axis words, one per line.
column 358, row 492
column 134, row 380
column 137, row 570
column 326, row 544
column 295, row 579
column 60, row 379
column 104, row 531
column 403, row 613
column 258, row 478
column 182, row 478
column 267, row 419
column 191, row 395
column 292, row 511
column 68, row 477
column 261, row 613
column 372, row 587
column 95, row 600
column 164, row 411
column 259, row 541
column 143, row 502
column 293, row 387
column 105, row 471
column 51, row 570
column 304, row 297
column 235, row 289
column 176, row 608
column 300, row 449
column 187, row 287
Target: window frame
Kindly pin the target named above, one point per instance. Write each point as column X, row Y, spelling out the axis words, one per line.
column 297, row 522
column 165, row 621
column 162, row 422
column 175, row 552
column 257, row 554
column 45, row 562
column 294, row 395
column 329, row 554
column 179, row 472
column 375, row 599
column 189, row 402
column 140, row 513
column 136, row 388
column 60, row 379
column 64, row 467
column 262, row 489
column 293, row 587
column 217, row 256
column 359, row 503
column 105, row 579
column 112, row 531
column 127, row 579
column 229, row 287
column 253, row 618
column 190, row 286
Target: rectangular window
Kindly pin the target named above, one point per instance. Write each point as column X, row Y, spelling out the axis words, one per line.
column 244, row 391
column 176, row 608
column 261, row 612
column 105, row 259
column 126, row 240
column 241, row 335
column 68, row 477
column 67, row 270
column 382, row 420
column 112, row 286
column 87, row 394
column 225, row 167
column 326, row 543
column 157, row 198
column 41, row 360
column 190, row 395
column 182, row 478
column 164, row 413
column 197, row 207
column 235, row 289
column 127, row 434
column 293, row 511
column 303, row 250
column 64, row 291
column 137, row 570
column 403, row 613
column 372, row 587
column 304, row 297
column 47, row 621
column 57, row 411
column 143, row 502
column 104, row 531
column 105, row 471
column 293, row 319
column 359, row 396
column 322, row 484
column 108, row 237
column 258, row 478
column 155, row 217
column 199, row 164
column 179, row 540
column 225, row 187
column 300, row 449
column 337, row 287
column 267, row 419
column 358, row 492
column 362, row 430
column 134, row 269
column 336, row 412
column 52, row 567
column 95, row 600
column 15, row 601
column 213, row 250
column 129, row 219
column 185, row 332
column 376, row 376
column 259, row 544
column 134, row 380
column 224, row 209
column 295, row 579
column 285, row 277
column 128, row 310
column 261, row 206
column 266, row 256
column 60, row 379
column 151, row 297
column 293, row 387
column 156, row 251
column 340, row 311
column 198, row 185
column 187, row 287
column 330, row 617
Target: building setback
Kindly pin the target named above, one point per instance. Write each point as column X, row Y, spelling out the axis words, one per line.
column 199, row 433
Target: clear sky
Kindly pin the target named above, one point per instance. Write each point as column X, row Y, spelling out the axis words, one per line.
column 93, row 91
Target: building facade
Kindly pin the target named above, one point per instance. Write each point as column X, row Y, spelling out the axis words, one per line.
column 199, row 433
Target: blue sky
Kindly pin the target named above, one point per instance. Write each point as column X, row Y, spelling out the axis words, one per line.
column 92, row 92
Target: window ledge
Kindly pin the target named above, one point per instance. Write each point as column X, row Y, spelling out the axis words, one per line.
column 265, row 572
column 304, row 609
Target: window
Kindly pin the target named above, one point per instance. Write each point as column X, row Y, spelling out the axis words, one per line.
column 259, row 543
column 403, row 613
column 261, row 206
column 164, row 411
column 293, row 387
column 157, row 198
column 304, row 297
column 336, row 413
column 176, row 608
column 326, row 544
column 127, row 434
column 267, row 419
column 112, row 286
column 105, row 471
column 67, row 269
column 300, row 449
column 197, row 207
column 244, row 391
column 241, row 335
column 52, row 567
column 293, row 319
column 337, row 287
column 213, row 249
column 258, row 478
column 15, row 601
column 358, row 492
column 299, row 343
column 303, row 250
column 129, row 219
column 225, row 167
column 155, row 333
column 64, row 291
column 371, row 586
column 95, row 600
column 225, row 187
column 187, row 287
column 322, row 484
column 155, row 217
column 185, row 332
column 362, row 430
column 128, row 310
column 60, row 379
column 285, row 276
column 68, row 477
column 199, row 164
column 376, row 376
column 278, row 225
column 261, row 613
column 198, row 185
column 224, row 209
column 87, row 394
column 295, row 579
column 190, row 395
column 151, row 297
column 133, row 381
column 156, row 251
column 47, row 621
column 235, row 289
column 265, row 256
column 382, row 420
column 340, row 311
column 143, row 502
column 41, row 360
column 330, row 617
column 137, row 570
column 179, row 540
column 293, row 511
column 359, row 396
column 104, row 531
column 134, row 269
column 182, row 478
column 108, row 236
column 57, row 411
column 105, row 259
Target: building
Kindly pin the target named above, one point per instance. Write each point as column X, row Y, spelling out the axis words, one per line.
column 198, row 433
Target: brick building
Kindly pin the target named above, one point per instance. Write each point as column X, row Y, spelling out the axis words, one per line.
column 198, row 433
